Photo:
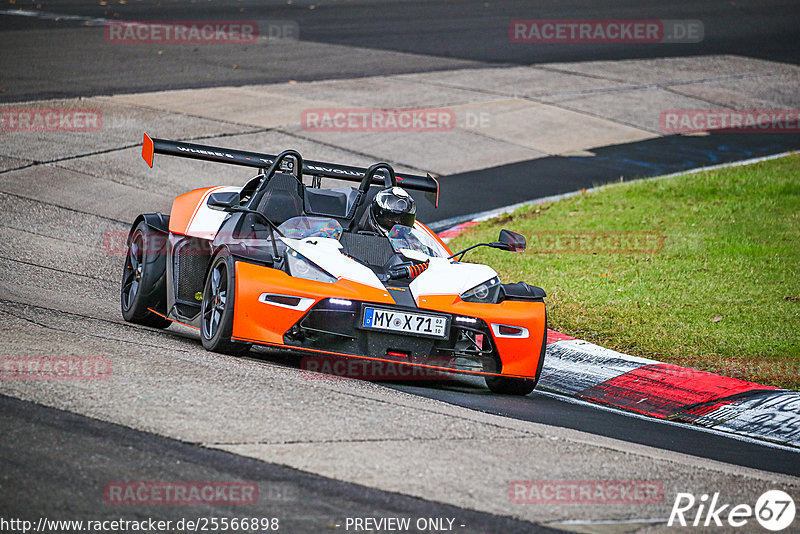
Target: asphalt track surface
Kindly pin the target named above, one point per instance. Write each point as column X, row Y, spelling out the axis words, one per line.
column 411, row 37
column 471, row 392
column 360, row 38
column 53, row 462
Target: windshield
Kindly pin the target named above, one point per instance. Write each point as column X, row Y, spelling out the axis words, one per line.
column 302, row 227
column 405, row 237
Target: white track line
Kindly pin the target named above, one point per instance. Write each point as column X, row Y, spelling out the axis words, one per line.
column 90, row 21
column 607, row 521
column 100, row 22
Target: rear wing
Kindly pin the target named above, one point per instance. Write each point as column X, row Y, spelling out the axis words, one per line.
column 151, row 146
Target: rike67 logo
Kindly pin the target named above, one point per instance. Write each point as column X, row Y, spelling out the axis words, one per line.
column 774, row 510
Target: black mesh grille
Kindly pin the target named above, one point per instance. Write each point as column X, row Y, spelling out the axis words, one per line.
column 190, row 273
column 371, row 249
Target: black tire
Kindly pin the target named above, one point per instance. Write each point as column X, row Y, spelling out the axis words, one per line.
column 519, row 386
column 510, row 386
column 144, row 280
column 216, row 311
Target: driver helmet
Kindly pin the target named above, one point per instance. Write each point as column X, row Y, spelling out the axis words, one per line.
column 392, row 206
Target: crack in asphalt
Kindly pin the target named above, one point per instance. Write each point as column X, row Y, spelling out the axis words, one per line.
column 21, row 167
column 56, row 270
column 37, row 234
column 546, row 99
column 542, row 100
column 727, row 77
column 97, row 177
column 73, row 156
column 67, row 208
column 81, row 333
column 185, row 114
column 111, row 150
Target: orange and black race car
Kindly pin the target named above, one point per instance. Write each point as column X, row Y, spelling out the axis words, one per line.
column 343, row 272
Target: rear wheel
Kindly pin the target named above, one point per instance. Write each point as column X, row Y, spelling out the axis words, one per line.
column 144, row 282
column 217, row 307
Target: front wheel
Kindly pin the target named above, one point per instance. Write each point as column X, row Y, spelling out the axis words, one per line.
column 216, row 310
column 510, row 386
column 519, row 386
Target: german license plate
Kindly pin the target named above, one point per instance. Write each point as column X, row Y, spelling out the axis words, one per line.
column 418, row 324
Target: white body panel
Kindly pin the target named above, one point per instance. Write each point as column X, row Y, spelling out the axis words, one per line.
column 444, row 277
column 326, row 253
column 205, row 222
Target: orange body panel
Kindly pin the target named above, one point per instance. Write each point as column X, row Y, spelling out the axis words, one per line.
column 520, row 356
column 254, row 320
column 265, row 323
column 184, row 208
column 148, row 149
column 260, row 322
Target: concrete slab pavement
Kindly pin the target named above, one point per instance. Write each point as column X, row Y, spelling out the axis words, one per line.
column 47, row 470
column 517, row 82
column 7, row 163
column 517, row 114
column 82, row 192
column 380, row 92
column 484, row 134
column 530, row 124
column 440, row 153
column 677, row 70
column 758, row 92
column 118, row 125
column 243, row 105
column 639, row 108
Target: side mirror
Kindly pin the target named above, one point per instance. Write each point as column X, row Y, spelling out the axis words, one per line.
column 224, row 201
column 511, row 241
column 508, row 240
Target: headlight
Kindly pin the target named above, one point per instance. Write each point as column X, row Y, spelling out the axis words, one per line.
column 488, row 291
column 301, row 267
